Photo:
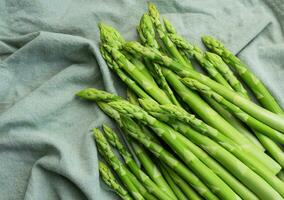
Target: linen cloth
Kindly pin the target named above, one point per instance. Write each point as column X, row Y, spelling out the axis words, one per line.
column 49, row 51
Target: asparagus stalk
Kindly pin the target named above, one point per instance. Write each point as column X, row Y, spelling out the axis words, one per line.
column 113, row 38
column 172, row 31
column 174, row 139
column 171, row 114
column 111, row 41
column 227, row 177
column 258, row 88
column 155, row 16
column 281, row 175
column 187, row 190
column 149, row 166
column 145, row 179
column 162, row 154
column 141, row 66
column 212, row 148
column 152, row 169
column 213, row 119
column 111, row 181
column 194, row 51
column 274, row 150
column 243, row 116
column 123, row 173
column 124, row 77
column 234, row 122
column 209, row 65
column 195, row 102
column 224, row 69
column 180, row 195
column 134, row 128
column 142, row 80
column 147, row 34
column 271, row 119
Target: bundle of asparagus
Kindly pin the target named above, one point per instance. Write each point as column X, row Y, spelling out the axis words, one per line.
column 195, row 136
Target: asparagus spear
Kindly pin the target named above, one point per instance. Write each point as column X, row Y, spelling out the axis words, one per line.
column 258, row 88
column 155, row 16
column 147, row 34
column 224, row 69
column 187, row 190
column 194, row 101
column 213, row 119
column 171, row 31
column 271, row 119
column 176, row 189
column 113, row 38
column 131, row 128
column 274, row 120
column 170, row 111
column 111, row 181
column 167, row 158
column 118, row 167
column 124, row 77
column 249, row 120
column 111, row 41
column 209, row 65
column 194, row 51
column 234, row 122
column 174, row 139
column 144, row 178
column 142, row 80
column 150, row 166
column 274, row 150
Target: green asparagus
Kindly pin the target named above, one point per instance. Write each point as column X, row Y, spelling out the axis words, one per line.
column 149, row 184
column 111, row 181
column 258, row 88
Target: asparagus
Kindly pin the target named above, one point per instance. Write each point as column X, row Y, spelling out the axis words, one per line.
column 180, row 195
column 187, row 190
column 141, row 66
column 281, row 175
column 142, row 80
column 209, row 65
column 224, row 69
column 174, row 139
column 127, row 80
column 111, row 181
column 249, row 120
column 147, row 34
column 258, row 88
column 234, row 122
column 171, row 114
column 172, row 32
column 155, row 16
column 113, row 38
column 191, row 98
column 194, row 51
column 152, row 169
column 118, row 167
column 274, row 150
column 149, row 184
column 149, row 166
column 167, row 158
column 109, row 35
column 169, row 111
column 213, row 119
column 271, row 119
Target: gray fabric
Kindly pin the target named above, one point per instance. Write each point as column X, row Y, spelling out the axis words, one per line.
column 49, row 51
